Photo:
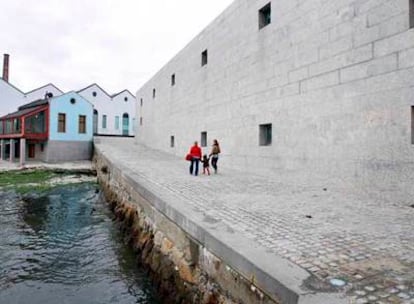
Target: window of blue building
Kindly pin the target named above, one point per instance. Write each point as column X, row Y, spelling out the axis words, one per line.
column 61, row 123
column 82, row 124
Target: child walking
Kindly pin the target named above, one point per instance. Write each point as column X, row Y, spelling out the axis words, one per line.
column 206, row 166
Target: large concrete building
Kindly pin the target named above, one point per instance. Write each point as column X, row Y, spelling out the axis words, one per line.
column 318, row 88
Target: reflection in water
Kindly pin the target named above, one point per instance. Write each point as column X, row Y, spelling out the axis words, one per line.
column 64, row 248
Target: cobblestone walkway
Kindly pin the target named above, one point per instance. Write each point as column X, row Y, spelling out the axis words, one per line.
column 332, row 233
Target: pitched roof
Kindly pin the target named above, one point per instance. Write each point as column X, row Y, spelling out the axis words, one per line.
column 11, row 85
column 51, row 84
column 127, row 91
column 38, row 102
column 91, row 85
column 21, row 112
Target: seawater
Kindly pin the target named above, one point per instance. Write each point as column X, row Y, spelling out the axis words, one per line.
column 63, row 247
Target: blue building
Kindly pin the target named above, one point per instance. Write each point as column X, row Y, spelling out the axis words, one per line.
column 52, row 129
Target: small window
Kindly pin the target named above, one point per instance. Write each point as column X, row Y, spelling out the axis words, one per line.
column 94, row 94
column 412, row 125
column 203, row 140
column 265, row 16
column 204, row 57
column 140, row 121
column 153, row 93
column 265, row 135
column 411, row 13
column 61, row 123
column 72, row 100
column 116, row 122
column 82, row 124
column 42, row 147
column 103, row 121
column 125, row 99
column 172, row 143
column 142, row 102
column 173, row 80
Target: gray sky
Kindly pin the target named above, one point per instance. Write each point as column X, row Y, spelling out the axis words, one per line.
column 119, row 44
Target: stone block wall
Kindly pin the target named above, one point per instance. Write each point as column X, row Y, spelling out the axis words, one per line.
column 58, row 151
column 335, row 79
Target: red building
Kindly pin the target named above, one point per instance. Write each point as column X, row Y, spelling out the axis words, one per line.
column 28, row 126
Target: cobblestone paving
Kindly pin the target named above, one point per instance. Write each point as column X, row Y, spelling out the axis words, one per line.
column 332, row 233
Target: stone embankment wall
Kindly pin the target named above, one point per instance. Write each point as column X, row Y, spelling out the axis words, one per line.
column 182, row 269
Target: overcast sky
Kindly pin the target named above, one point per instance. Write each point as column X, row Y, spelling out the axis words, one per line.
column 119, row 44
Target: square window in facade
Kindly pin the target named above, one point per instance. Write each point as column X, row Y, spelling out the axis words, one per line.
column 265, row 15
column 61, row 123
column 411, row 13
column 82, row 124
column 173, row 80
column 204, row 58
column 203, row 141
column 412, row 125
column 265, row 135
column 172, row 141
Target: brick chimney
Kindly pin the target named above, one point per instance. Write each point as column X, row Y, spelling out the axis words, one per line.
column 6, row 67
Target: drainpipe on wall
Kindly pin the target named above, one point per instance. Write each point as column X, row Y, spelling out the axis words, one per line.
column 6, row 67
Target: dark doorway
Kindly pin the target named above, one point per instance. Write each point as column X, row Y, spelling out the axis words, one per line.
column 32, row 149
column 125, row 124
column 95, row 122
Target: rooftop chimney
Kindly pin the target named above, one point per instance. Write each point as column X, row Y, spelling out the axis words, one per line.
column 6, row 68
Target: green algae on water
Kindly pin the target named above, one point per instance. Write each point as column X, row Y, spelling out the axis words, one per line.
column 39, row 181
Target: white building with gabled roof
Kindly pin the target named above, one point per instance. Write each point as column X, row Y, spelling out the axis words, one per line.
column 114, row 115
column 11, row 97
column 40, row 93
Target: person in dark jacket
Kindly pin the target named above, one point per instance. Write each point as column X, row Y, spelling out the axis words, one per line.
column 195, row 152
column 206, row 164
column 214, row 154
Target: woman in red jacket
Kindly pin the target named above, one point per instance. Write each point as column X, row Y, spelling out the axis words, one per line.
column 195, row 152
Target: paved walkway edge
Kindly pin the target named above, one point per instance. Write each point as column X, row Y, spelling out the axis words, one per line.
column 277, row 277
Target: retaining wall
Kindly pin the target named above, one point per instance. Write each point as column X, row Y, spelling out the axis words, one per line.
column 173, row 249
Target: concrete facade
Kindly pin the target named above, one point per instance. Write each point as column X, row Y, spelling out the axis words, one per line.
column 334, row 79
